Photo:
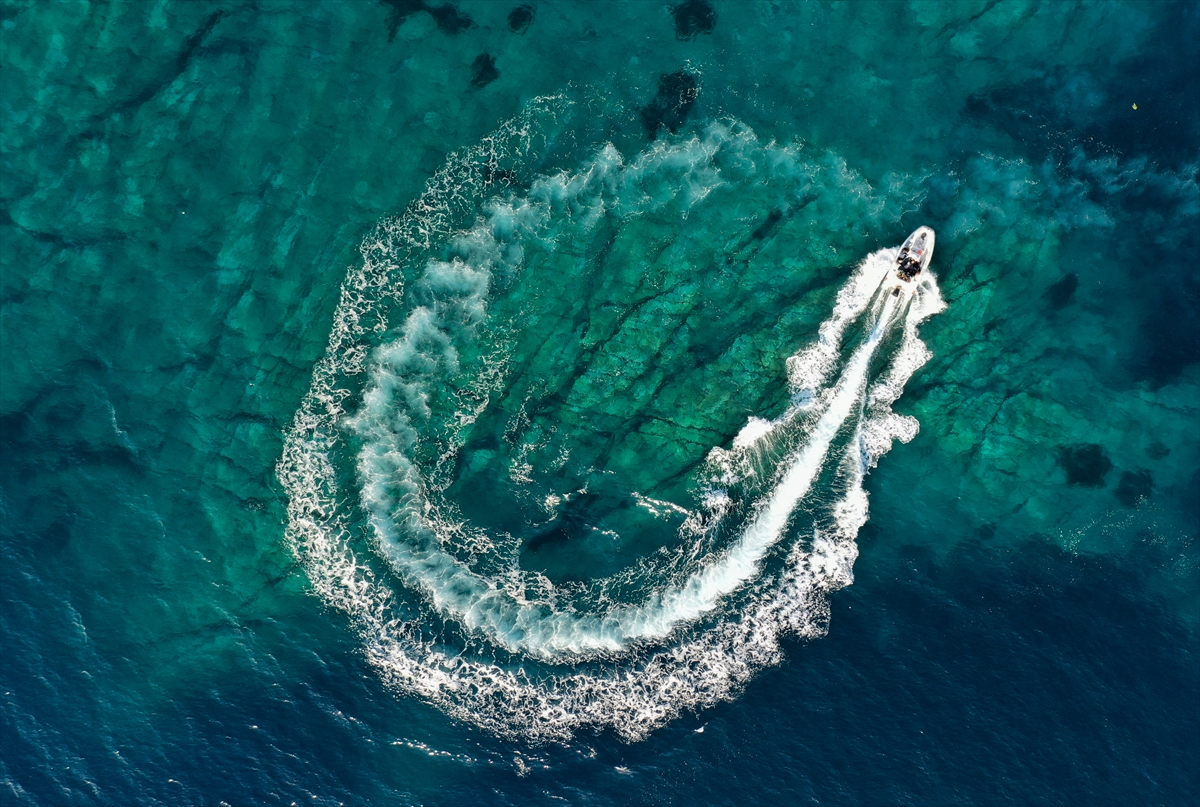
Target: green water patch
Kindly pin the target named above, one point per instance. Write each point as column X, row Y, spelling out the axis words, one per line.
column 186, row 184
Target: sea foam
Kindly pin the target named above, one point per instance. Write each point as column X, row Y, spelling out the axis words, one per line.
column 530, row 658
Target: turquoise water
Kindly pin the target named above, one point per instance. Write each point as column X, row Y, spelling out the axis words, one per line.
column 498, row 403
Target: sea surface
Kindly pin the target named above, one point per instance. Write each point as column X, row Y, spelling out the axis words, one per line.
column 501, row 403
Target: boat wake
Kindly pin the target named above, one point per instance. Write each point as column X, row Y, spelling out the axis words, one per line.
column 444, row 607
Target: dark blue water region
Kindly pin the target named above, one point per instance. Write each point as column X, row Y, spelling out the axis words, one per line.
column 997, row 675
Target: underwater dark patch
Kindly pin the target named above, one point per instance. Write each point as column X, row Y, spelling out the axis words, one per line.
column 53, row 539
column 483, row 70
column 520, row 18
column 1061, row 291
column 447, row 17
column 1133, row 487
column 1086, row 465
column 1024, row 115
column 1168, row 333
column 677, row 92
column 559, row 534
column 769, row 226
column 1157, row 451
column 693, row 17
column 449, row 20
column 576, row 519
column 1191, row 497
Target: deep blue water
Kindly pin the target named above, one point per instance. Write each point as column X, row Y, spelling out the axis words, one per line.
column 1023, row 676
column 548, row 262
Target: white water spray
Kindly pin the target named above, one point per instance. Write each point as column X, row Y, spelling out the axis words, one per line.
column 637, row 687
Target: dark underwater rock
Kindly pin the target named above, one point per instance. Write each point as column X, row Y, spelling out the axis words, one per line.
column 447, row 17
column 1133, row 487
column 769, row 226
column 449, row 20
column 1086, row 464
column 1157, row 451
column 693, row 17
column 1061, row 291
column 677, row 92
column 54, row 538
column 520, row 18
column 398, row 12
column 483, row 70
column 577, row 519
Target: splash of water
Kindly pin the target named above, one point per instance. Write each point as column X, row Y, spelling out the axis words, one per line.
column 701, row 629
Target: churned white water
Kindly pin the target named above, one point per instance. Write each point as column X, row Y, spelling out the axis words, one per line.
column 699, row 630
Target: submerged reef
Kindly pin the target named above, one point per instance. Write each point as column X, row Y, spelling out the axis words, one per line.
column 1134, row 487
column 447, row 16
column 693, row 17
column 483, row 70
column 1157, row 451
column 1086, row 465
column 520, row 18
column 677, row 92
column 1061, row 291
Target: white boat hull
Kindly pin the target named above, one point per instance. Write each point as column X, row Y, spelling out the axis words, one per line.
column 915, row 253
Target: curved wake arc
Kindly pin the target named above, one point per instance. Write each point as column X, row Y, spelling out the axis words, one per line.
column 428, row 615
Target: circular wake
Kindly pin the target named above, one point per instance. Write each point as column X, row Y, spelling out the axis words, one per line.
column 408, row 517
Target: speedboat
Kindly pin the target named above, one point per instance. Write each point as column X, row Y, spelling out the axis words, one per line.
column 915, row 253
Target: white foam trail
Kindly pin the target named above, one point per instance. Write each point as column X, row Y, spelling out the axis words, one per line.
column 486, row 606
column 884, row 426
column 809, row 370
column 702, row 592
column 643, row 691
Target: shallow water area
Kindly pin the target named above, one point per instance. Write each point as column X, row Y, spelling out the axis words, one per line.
column 458, row 403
